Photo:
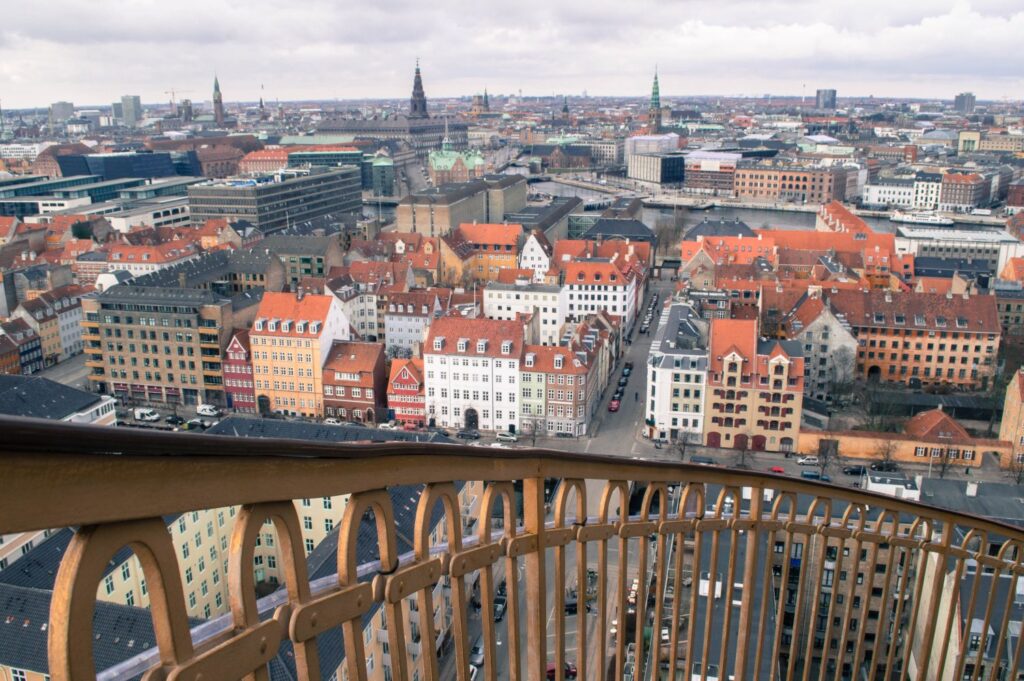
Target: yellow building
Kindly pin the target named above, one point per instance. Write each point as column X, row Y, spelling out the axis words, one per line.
column 290, row 340
column 480, row 251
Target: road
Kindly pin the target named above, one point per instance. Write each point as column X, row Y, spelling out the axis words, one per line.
column 70, row 372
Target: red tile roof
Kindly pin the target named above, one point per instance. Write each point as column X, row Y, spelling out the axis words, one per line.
column 732, row 335
column 354, row 357
column 935, row 424
column 590, row 272
column 544, row 360
column 287, row 306
column 491, row 234
column 916, row 311
column 494, row 331
column 413, row 365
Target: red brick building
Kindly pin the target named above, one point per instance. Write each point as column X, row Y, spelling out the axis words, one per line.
column 405, row 392
column 238, row 374
column 355, row 382
column 10, row 357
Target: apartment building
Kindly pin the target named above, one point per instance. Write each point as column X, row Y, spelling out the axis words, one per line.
column 536, row 255
column 676, row 376
column 480, row 251
column 238, row 380
column 601, row 284
column 291, row 339
column 829, row 347
column 30, row 347
column 891, row 191
column 409, row 315
column 161, row 345
column 406, row 392
column 304, row 256
column 549, row 303
column 56, row 316
column 139, row 260
column 754, row 395
column 710, row 172
column 472, row 373
column 355, row 382
column 927, row 191
column 790, row 183
column 921, row 338
column 963, row 192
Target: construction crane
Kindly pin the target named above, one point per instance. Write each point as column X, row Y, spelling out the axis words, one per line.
column 173, row 92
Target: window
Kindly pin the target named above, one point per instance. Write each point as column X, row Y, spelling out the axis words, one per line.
column 108, row 582
column 126, row 572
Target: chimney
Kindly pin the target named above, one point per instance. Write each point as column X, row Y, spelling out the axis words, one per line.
column 972, row 489
column 181, row 280
column 299, row 293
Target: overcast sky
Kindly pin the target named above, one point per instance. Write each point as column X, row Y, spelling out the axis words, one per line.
column 93, row 52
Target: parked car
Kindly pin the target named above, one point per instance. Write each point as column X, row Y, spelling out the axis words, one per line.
column 389, row 425
column 569, row 672
column 174, row 420
column 644, row 327
column 468, row 434
column 563, row 434
column 331, row 421
column 207, row 410
column 439, row 431
column 807, row 461
column 614, row 405
column 628, row 365
column 506, row 437
column 777, row 469
column 704, row 460
column 500, row 603
column 854, row 470
column 626, row 371
column 815, row 475
column 146, row 414
column 194, row 424
column 884, row 466
column 476, row 654
column 624, row 381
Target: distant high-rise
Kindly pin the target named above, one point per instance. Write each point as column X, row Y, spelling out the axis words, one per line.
column 131, row 110
column 418, row 102
column 218, row 103
column 117, row 110
column 185, row 110
column 825, row 99
column 964, row 103
column 61, row 111
column 654, row 110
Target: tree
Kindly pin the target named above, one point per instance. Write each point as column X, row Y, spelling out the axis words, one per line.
column 1016, row 467
column 996, row 393
column 828, row 452
column 886, row 450
column 942, row 463
column 81, row 230
column 879, row 413
column 840, row 380
column 743, row 453
column 682, row 444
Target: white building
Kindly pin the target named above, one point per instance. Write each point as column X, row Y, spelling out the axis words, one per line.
column 890, row 192
column 408, row 316
column 830, row 350
column 994, row 245
column 676, row 375
column 472, row 373
column 608, row 152
column 596, row 285
column 651, row 144
column 536, row 255
column 927, row 188
column 549, row 303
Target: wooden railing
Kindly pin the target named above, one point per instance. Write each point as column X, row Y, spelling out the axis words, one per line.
column 745, row 575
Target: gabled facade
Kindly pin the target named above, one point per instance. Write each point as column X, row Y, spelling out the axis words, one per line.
column 238, row 379
column 354, row 382
column 406, row 392
column 755, row 389
column 829, row 348
column 536, row 255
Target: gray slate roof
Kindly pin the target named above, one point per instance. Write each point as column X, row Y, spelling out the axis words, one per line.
column 34, row 396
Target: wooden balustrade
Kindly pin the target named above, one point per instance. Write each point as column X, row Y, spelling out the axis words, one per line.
column 715, row 552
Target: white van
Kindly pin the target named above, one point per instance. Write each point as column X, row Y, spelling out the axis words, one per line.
column 146, row 414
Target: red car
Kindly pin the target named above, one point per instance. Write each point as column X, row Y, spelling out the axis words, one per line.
column 777, row 469
column 613, row 405
column 570, row 671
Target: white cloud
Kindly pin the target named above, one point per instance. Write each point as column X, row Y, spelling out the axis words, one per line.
column 94, row 52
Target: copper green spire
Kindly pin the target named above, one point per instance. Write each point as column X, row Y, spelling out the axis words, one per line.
column 655, row 92
column 654, row 110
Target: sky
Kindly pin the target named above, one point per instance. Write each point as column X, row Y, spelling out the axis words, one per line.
column 94, row 52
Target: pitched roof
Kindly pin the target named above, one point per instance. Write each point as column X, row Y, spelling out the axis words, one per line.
column 493, row 331
column 37, row 397
column 1013, row 270
column 596, row 272
column 288, row 306
column 491, row 234
column 544, row 360
column 732, row 335
column 935, row 424
column 354, row 357
column 910, row 310
column 413, row 365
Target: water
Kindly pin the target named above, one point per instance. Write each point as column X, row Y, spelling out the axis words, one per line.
column 754, row 218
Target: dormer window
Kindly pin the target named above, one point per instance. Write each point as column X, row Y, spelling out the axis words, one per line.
column 258, row 325
column 558, row 361
column 506, row 347
column 481, row 345
column 463, row 344
column 439, row 342
column 961, row 322
column 272, row 325
column 314, row 327
column 529, row 357
column 940, row 322
column 300, row 327
column 919, row 320
column 286, row 326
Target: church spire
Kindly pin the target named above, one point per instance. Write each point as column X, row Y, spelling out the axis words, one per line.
column 218, row 102
column 654, row 110
column 418, row 102
column 446, row 143
column 487, row 101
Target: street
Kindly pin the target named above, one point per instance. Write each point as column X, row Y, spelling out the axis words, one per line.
column 70, row 372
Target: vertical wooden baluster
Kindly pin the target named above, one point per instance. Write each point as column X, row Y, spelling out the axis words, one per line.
column 582, row 583
column 743, row 642
column 654, row 490
column 559, row 608
column 938, row 583
column 677, row 584
column 620, row 639
column 783, row 594
column 698, row 540
column 968, row 614
column 514, row 616
column 851, row 591
column 834, row 600
column 951, row 615
column 536, row 581
column 869, row 571
column 659, row 600
column 611, row 488
column 493, row 492
column 567, row 487
column 814, row 590
column 929, row 623
column 888, row 598
column 767, row 596
column 1002, row 633
column 910, row 555
column 987, row 622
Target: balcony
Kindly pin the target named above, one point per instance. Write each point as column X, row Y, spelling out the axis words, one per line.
column 115, row 486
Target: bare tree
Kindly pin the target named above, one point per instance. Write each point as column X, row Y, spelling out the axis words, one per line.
column 942, row 463
column 1016, row 467
column 682, row 445
column 886, row 450
column 743, row 453
column 841, row 382
column 995, row 395
column 879, row 413
column 828, row 452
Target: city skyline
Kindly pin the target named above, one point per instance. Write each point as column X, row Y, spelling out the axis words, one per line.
column 913, row 50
